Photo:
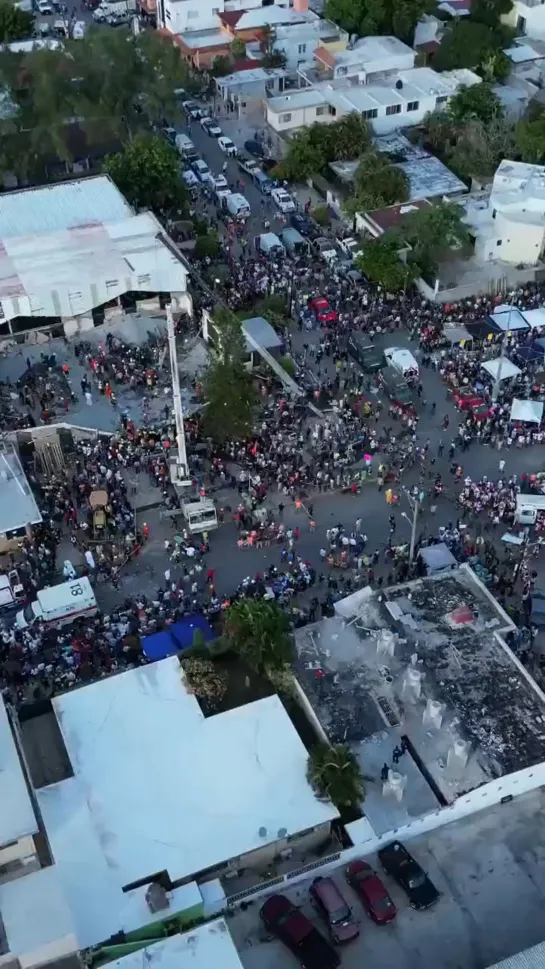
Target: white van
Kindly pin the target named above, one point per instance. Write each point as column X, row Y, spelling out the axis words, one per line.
column 269, row 244
column 238, row 206
column 528, row 507
column 184, row 144
column 59, row 605
column 402, row 359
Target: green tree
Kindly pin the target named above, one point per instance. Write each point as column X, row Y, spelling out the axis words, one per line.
column 477, row 102
column 228, row 386
column 379, row 261
column 368, row 17
column 432, row 231
column 480, row 148
column 272, row 56
column 274, row 308
column 377, row 183
column 334, row 775
column 15, row 24
column 260, row 633
column 312, row 148
column 473, row 45
column 221, row 65
column 349, row 137
column 321, row 215
column 238, row 49
column 530, row 140
column 147, row 172
column 207, row 245
column 490, row 12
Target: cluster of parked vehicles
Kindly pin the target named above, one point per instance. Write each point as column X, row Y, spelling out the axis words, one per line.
column 313, row 950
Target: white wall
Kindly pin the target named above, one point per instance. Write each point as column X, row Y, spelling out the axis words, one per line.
column 534, row 16
column 299, row 117
column 520, row 243
column 184, row 15
column 382, row 124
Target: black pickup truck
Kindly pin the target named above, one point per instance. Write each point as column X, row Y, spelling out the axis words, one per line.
column 397, row 862
column 293, row 928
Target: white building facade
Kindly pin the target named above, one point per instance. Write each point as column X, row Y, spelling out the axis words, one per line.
column 528, row 17
column 401, row 101
column 180, row 16
column 509, row 224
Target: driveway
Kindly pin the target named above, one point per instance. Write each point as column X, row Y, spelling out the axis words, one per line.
column 491, row 872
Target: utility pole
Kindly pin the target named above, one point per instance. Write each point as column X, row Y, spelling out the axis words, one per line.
column 179, row 470
column 414, row 505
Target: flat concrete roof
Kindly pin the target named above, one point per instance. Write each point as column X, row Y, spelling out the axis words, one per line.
column 208, row 946
column 18, row 506
column 157, row 786
column 295, row 101
column 17, row 818
column 67, row 205
column 448, row 629
column 35, row 913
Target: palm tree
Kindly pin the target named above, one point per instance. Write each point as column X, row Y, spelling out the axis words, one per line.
column 260, row 633
column 334, row 775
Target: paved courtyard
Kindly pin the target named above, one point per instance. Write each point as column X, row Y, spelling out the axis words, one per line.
column 491, row 872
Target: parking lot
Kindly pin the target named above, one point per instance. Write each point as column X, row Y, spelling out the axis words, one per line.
column 491, row 872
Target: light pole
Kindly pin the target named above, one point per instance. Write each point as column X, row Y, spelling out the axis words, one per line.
column 180, row 471
column 414, row 504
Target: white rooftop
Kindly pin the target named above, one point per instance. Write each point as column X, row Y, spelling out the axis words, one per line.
column 52, row 270
column 67, row 205
column 299, row 99
column 261, row 16
column 17, row 818
column 35, row 913
column 208, row 946
column 158, row 787
column 373, row 49
column 18, row 506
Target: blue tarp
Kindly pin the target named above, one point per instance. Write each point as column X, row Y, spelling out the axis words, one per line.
column 177, row 637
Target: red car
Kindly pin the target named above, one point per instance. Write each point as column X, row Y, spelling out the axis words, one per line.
column 372, row 893
column 322, row 310
column 467, row 399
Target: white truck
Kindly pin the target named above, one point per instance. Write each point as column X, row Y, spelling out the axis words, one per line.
column 116, row 8
column 11, row 590
column 59, row 605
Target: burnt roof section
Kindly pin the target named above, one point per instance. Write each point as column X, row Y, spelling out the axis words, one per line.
column 450, row 629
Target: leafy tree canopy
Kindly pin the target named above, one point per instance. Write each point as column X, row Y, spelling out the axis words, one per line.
column 334, row 775
column 15, row 24
column 260, row 632
column 208, row 245
column 379, row 261
column 377, row 183
column 313, row 148
column 530, row 140
column 474, row 45
column 432, row 231
column 490, row 12
column 238, row 49
column 369, row 17
column 147, row 171
column 113, row 82
column 477, row 102
column 228, row 386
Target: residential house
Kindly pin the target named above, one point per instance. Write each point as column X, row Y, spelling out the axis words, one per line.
column 528, row 18
column 401, row 100
column 369, row 59
column 508, row 223
column 298, row 41
column 246, row 89
column 180, row 16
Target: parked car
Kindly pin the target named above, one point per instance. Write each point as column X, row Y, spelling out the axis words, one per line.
column 333, row 907
column 193, row 110
column 254, row 148
column 202, row 170
column 283, row 200
column 322, row 310
column 44, row 8
column 370, row 358
column 400, row 864
column 326, row 249
column 293, row 928
column 220, row 186
column 350, row 247
column 190, row 178
column 226, row 145
column 305, row 225
column 262, row 181
column 466, row 399
column 371, row 892
column 211, row 127
column 248, row 165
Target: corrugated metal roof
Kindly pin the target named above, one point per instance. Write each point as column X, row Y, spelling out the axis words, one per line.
column 51, row 208
column 533, row 958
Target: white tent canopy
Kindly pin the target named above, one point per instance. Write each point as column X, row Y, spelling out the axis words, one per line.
column 535, row 318
column 501, row 366
column 508, row 318
column 527, row 410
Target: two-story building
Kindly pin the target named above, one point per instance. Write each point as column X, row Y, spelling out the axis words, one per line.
column 399, row 100
column 527, row 17
column 179, row 16
column 368, row 59
column 509, row 223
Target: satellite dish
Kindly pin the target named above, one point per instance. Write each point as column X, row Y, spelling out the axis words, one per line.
column 262, row 832
column 282, row 832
